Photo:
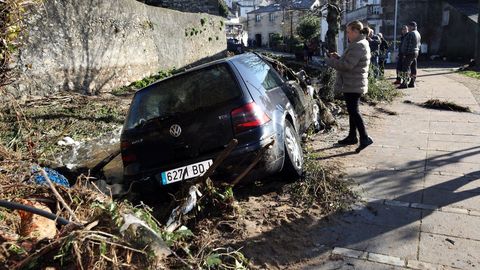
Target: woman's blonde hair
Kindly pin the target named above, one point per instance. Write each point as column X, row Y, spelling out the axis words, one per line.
column 358, row 25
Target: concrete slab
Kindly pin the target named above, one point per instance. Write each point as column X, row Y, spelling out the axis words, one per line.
column 458, row 225
column 345, row 263
column 396, row 241
column 463, row 253
column 452, row 183
column 458, row 199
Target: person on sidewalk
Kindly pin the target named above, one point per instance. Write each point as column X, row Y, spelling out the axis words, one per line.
column 410, row 50
column 352, row 80
column 374, row 44
column 400, row 55
column 382, row 57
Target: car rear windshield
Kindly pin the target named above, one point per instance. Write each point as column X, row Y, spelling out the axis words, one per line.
column 183, row 94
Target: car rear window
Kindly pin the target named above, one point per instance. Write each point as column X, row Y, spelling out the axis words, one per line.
column 182, row 94
column 258, row 72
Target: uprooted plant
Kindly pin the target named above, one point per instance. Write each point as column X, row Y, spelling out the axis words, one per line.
column 445, row 105
column 322, row 184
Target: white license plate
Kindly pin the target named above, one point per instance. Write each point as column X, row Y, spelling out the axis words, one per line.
column 186, row 172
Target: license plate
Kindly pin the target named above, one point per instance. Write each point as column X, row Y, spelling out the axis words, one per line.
column 186, row 172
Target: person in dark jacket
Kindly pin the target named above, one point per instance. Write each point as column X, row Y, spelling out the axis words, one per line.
column 374, row 43
column 400, row 55
column 352, row 80
column 410, row 50
column 382, row 57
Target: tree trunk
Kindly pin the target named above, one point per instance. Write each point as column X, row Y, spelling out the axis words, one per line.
column 333, row 20
column 477, row 55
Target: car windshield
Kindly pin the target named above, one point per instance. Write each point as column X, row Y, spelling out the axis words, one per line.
column 183, row 94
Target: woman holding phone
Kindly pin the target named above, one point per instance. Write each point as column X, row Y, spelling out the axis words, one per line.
column 352, row 80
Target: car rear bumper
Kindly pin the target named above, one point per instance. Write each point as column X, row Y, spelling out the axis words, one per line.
column 236, row 163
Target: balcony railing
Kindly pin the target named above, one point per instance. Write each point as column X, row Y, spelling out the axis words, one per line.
column 364, row 13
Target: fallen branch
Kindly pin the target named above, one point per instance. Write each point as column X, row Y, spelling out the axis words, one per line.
column 58, row 196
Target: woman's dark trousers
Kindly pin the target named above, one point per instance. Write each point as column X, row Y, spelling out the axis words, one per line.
column 355, row 119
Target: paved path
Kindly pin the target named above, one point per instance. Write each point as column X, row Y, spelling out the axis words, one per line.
column 421, row 184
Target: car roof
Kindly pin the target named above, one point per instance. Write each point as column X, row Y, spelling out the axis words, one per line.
column 223, row 60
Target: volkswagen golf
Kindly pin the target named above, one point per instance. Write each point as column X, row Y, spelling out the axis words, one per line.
column 176, row 127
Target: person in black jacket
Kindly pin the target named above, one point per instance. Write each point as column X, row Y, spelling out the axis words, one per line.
column 400, row 55
column 382, row 57
column 374, row 43
column 410, row 50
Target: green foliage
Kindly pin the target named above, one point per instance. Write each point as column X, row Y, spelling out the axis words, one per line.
column 309, row 27
column 380, row 90
column 222, row 8
column 471, row 74
column 162, row 74
column 213, row 260
column 275, row 40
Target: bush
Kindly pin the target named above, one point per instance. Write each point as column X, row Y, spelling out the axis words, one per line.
column 309, row 27
column 380, row 90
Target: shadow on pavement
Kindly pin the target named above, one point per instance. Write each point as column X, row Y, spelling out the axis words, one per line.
column 366, row 226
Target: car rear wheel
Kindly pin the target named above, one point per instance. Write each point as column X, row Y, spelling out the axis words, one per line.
column 293, row 164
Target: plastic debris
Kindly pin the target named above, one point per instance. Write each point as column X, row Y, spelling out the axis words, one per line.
column 174, row 221
column 68, row 141
column 145, row 236
column 54, row 176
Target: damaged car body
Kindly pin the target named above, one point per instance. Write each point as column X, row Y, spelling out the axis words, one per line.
column 176, row 127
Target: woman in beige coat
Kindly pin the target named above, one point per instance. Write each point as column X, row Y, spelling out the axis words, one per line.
column 352, row 80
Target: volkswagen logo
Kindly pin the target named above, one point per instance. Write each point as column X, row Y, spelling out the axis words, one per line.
column 175, row 130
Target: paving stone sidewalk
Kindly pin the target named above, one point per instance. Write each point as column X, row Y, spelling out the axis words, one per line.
column 421, row 184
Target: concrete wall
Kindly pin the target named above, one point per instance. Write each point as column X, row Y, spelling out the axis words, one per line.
column 97, row 45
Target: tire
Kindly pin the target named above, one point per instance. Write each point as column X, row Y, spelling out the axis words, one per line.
column 293, row 162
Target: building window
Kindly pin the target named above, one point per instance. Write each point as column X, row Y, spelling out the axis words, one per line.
column 257, row 18
column 272, row 17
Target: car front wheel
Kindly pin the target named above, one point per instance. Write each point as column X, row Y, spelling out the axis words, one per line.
column 293, row 164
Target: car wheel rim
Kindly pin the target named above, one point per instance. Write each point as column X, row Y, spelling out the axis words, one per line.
column 293, row 148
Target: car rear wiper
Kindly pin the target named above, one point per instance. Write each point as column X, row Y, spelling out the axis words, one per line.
column 165, row 116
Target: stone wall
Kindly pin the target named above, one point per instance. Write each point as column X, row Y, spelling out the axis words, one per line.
column 91, row 46
column 207, row 6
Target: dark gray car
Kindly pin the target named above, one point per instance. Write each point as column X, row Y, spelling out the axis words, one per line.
column 176, row 127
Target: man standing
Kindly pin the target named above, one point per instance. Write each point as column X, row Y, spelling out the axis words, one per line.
column 382, row 57
column 410, row 50
column 400, row 55
column 374, row 43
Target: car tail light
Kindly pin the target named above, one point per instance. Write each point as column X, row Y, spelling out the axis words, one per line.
column 248, row 116
column 127, row 158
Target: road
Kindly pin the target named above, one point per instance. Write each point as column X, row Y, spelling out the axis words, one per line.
column 420, row 184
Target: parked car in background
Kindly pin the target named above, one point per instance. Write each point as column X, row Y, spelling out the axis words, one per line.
column 176, row 127
column 234, row 45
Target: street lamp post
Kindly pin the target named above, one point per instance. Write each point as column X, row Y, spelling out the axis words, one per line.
column 395, row 28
